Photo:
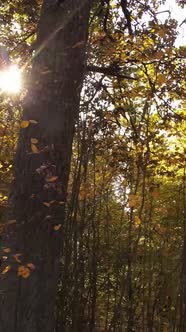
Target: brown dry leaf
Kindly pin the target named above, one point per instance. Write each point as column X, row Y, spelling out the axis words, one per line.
column 155, row 193
column 10, row 222
column 78, row 44
column 83, row 194
column 25, row 124
column 132, row 203
column 159, row 55
column 34, row 140
column 162, row 230
column 108, row 116
column 6, row 269
column 162, row 33
column 161, row 79
column 57, row 227
column 23, row 271
column 34, row 148
column 1, row 228
column 52, row 179
column 134, row 200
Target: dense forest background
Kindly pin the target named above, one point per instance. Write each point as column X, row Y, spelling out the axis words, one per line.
column 123, row 262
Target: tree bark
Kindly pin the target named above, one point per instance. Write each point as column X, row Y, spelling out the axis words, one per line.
column 42, row 165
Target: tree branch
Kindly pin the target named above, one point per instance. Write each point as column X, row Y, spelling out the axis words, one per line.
column 109, row 71
column 127, row 15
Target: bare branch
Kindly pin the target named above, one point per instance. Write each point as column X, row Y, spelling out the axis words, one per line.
column 109, row 71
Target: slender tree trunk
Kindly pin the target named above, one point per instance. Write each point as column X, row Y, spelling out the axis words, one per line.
column 182, row 323
column 42, row 165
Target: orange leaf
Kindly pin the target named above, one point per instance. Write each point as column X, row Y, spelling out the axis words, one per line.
column 57, row 227
column 34, row 140
column 25, row 124
column 34, row 148
column 23, row 271
column 52, row 179
column 31, row 266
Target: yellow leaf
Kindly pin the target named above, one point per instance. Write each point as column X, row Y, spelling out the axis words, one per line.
column 33, row 121
column 31, row 266
column 6, row 269
column 52, row 179
column 57, row 227
column 23, row 271
column 25, row 124
column 7, row 250
column 113, row 5
column 34, row 140
column 137, row 220
column 34, row 148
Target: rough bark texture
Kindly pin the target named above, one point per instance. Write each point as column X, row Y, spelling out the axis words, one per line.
column 42, row 168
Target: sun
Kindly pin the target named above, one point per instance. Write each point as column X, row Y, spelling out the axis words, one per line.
column 10, row 80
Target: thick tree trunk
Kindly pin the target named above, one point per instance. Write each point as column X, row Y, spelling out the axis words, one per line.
column 42, row 167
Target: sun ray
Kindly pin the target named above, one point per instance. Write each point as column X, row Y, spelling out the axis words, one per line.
column 10, row 80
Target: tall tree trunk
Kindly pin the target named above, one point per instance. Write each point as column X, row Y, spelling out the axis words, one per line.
column 42, row 165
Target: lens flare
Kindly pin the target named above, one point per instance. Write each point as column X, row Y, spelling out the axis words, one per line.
column 10, row 80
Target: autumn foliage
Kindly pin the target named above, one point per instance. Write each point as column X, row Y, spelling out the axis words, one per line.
column 122, row 266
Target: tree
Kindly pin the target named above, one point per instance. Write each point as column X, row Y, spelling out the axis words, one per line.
column 123, row 237
column 42, row 164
